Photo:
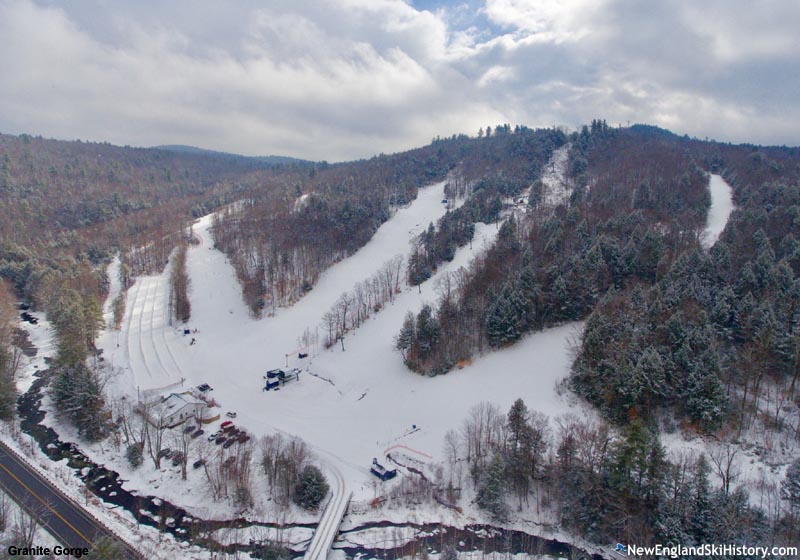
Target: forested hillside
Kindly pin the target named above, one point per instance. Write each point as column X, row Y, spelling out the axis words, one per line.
column 66, row 206
column 65, row 209
column 716, row 340
column 710, row 336
column 280, row 244
column 637, row 202
column 708, row 340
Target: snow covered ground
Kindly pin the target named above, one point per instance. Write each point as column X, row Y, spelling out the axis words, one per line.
column 720, row 211
column 554, row 177
column 354, row 404
column 16, row 520
column 350, row 405
column 146, row 539
column 40, row 335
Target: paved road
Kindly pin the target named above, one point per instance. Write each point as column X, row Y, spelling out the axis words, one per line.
column 64, row 519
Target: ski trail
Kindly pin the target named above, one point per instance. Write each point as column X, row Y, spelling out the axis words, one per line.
column 166, row 348
column 157, row 321
column 720, row 211
column 142, row 353
column 133, row 297
column 554, row 178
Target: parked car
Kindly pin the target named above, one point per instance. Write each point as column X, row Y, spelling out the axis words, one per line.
column 189, row 429
column 243, row 437
column 178, row 459
column 226, row 425
column 230, row 414
column 165, row 453
column 229, row 461
column 214, row 436
column 204, row 388
column 198, row 433
column 228, row 443
column 199, row 463
column 220, row 439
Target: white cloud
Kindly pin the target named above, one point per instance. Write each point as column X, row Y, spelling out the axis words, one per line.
column 556, row 19
column 496, row 74
column 337, row 80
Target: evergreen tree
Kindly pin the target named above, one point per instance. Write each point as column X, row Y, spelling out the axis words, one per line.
column 705, row 397
column 630, row 460
column 519, row 453
column 650, row 369
column 71, row 328
column 790, row 486
column 492, row 489
column 9, row 354
column 701, row 511
column 311, row 489
column 78, row 393
column 427, row 332
column 507, row 317
column 93, row 320
column 107, row 548
column 8, row 386
column 407, row 333
column 133, row 453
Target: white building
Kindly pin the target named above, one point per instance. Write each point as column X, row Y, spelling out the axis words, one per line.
column 175, row 409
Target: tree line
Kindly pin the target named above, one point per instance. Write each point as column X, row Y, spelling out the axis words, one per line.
column 609, row 486
column 367, row 297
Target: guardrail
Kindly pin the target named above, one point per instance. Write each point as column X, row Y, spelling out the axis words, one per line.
column 133, row 553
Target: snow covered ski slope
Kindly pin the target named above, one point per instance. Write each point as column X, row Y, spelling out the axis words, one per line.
column 554, row 178
column 146, row 334
column 720, row 211
column 352, row 404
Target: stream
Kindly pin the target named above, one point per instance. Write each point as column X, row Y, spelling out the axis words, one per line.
column 169, row 518
column 107, row 485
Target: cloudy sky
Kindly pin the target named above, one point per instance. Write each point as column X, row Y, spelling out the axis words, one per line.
column 342, row 79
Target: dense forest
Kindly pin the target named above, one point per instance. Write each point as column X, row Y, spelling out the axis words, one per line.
column 716, row 339
column 65, row 207
column 637, row 202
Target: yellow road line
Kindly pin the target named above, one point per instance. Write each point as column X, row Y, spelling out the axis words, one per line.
column 48, row 506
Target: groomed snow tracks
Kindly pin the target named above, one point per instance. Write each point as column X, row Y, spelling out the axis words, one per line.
column 149, row 354
column 331, row 519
